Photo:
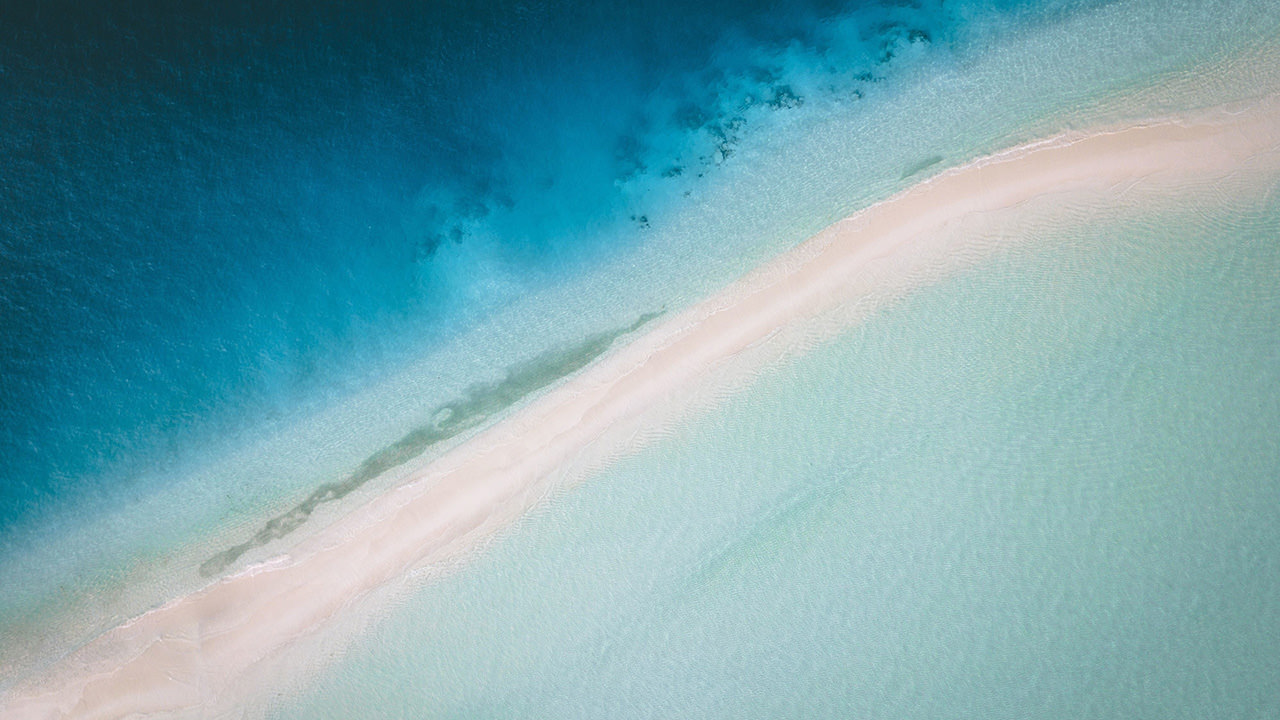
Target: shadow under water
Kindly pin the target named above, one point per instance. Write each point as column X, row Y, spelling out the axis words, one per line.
column 921, row 166
column 480, row 402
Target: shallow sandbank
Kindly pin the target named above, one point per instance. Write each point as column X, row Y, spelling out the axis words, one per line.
column 198, row 651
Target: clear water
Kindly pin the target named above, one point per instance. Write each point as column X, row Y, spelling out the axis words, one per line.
column 1044, row 488
column 247, row 254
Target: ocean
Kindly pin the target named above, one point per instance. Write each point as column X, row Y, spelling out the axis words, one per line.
column 259, row 262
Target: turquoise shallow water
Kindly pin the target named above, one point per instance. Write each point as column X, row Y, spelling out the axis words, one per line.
column 1046, row 487
column 249, row 257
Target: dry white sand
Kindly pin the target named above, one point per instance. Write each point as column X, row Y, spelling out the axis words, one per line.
column 198, row 653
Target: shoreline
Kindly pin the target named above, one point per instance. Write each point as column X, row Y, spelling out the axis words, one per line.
column 191, row 652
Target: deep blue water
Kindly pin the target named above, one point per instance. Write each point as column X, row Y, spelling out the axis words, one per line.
column 214, row 216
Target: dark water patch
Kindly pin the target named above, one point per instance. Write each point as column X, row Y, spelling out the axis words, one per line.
column 479, row 403
column 783, row 97
column 921, row 166
column 757, row 542
column 895, row 39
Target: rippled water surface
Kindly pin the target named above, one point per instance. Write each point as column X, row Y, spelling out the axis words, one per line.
column 259, row 262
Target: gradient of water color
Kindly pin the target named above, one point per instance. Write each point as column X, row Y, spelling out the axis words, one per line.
column 251, row 257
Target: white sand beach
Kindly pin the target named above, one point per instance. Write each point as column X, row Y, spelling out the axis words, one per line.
column 198, row 652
